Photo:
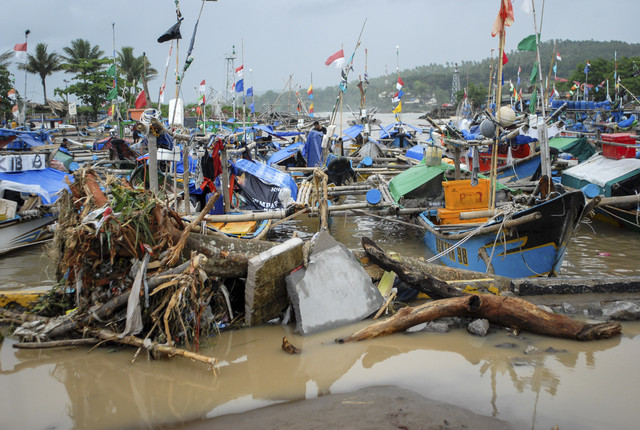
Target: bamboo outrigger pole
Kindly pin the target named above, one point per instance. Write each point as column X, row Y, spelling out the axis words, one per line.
column 494, row 151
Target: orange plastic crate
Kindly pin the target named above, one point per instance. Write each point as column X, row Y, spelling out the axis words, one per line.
column 461, row 195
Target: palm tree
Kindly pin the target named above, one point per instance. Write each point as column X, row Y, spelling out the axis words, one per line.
column 42, row 64
column 79, row 50
column 5, row 58
column 135, row 69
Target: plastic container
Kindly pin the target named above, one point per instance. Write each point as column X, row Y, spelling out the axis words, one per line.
column 451, row 216
column 615, row 151
column 433, row 156
column 374, row 196
column 461, row 195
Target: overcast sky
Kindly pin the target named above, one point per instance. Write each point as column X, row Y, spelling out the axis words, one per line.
column 295, row 37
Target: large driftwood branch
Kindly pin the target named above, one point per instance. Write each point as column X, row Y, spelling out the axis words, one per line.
column 414, row 278
column 505, row 311
column 56, row 343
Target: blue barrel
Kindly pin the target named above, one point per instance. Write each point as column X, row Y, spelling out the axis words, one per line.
column 367, row 161
column 591, row 105
column 590, row 190
column 571, row 104
column 374, row 196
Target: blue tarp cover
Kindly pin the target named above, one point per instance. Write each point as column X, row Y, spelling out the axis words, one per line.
column 26, row 139
column 268, row 175
column 391, row 130
column 51, row 180
column 353, row 131
column 285, row 153
column 313, row 149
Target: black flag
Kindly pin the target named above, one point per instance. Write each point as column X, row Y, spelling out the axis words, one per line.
column 172, row 33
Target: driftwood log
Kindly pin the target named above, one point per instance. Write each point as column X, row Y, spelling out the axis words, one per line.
column 413, row 277
column 508, row 312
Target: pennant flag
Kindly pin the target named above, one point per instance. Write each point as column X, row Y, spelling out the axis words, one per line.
column 398, row 108
column 397, row 96
column 558, row 57
column 505, row 60
column 515, row 94
column 113, row 94
column 310, row 90
column 111, row 71
column 202, row 100
column 504, row 18
column 528, row 43
column 250, row 92
column 400, row 83
column 533, row 101
column 555, row 92
column 252, row 106
column 311, row 110
column 111, row 110
column 12, row 94
column 162, row 93
column 526, row 6
column 337, row 58
column 587, row 67
column 141, row 100
column 534, row 74
column 20, row 49
column 172, row 33
column 239, row 86
column 555, row 68
column 203, row 86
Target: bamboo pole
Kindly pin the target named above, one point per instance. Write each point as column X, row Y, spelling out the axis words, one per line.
column 494, row 153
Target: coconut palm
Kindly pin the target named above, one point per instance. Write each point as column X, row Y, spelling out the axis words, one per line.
column 135, row 69
column 42, row 64
column 79, row 50
column 5, row 58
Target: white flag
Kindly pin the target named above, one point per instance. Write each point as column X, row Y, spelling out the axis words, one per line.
column 527, row 7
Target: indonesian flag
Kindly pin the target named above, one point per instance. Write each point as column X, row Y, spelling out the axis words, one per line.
column 239, row 70
column 141, row 100
column 203, row 87
column 504, row 18
column 400, row 83
column 555, row 92
column 337, row 59
column 20, row 49
column 162, row 93
column 558, row 57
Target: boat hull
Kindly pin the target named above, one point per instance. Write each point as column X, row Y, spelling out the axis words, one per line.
column 20, row 232
column 534, row 248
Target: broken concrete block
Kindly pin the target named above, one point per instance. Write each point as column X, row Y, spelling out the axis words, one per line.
column 332, row 291
column 479, row 327
column 266, row 289
column 623, row 310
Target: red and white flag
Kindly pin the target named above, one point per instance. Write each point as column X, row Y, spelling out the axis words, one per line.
column 558, row 57
column 337, row 59
column 20, row 49
column 504, row 18
column 400, row 83
column 203, row 87
column 141, row 100
column 239, row 70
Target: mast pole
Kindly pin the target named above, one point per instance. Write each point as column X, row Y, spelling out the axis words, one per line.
column 542, row 125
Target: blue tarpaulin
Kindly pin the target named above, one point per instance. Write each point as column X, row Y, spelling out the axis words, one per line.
column 268, row 175
column 47, row 182
column 313, row 149
column 353, row 131
column 285, row 153
column 392, row 130
column 25, row 139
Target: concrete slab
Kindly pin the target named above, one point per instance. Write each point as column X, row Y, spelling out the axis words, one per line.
column 265, row 289
column 332, row 291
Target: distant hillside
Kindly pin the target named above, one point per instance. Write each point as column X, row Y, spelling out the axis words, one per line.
column 431, row 84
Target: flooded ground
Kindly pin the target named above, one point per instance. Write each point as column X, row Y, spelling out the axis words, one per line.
column 587, row 385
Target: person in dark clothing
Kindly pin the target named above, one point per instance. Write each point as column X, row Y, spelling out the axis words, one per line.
column 318, row 127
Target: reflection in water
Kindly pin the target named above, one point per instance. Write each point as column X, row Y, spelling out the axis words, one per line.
column 102, row 389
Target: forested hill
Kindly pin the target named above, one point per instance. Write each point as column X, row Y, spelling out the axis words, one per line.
column 431, row 84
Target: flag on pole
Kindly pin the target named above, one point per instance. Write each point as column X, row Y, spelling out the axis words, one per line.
column 526, row 6
column 400, row 83
column 533, row 101
column 397, row 96
column 172, row 33
column 162, row 93
column 252, row 106
column 337, row 59
column 141, row 100
column 555, row 68
column 528, row 43
column 12, row 94
column 311, row 110
column 111, row 110
column 112, row 94
column 203, row 86
column 250, row 92
column 504, row 18
column 239, row 71
column 310, row 91
column 505, row 60
column 111, row 71
column 534, row 74
column 20, row 49
column 558, row 57
column 398, row 108
column 202, row 100
column 239, row 86
column 587, row 67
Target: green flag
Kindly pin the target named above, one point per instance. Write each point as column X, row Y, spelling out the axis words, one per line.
column 111, row 71
column 533, row 101
column 113, row 94
column 534, row 74
column 528, row 43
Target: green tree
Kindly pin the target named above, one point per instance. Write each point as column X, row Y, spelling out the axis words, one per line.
column 477, row 93
column 5, row 58
column 42, row 64
column 79, row 50
column 5, row 85
column 91, row 83
column 136, row 70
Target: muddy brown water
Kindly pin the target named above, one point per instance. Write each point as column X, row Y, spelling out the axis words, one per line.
column 586, row 385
